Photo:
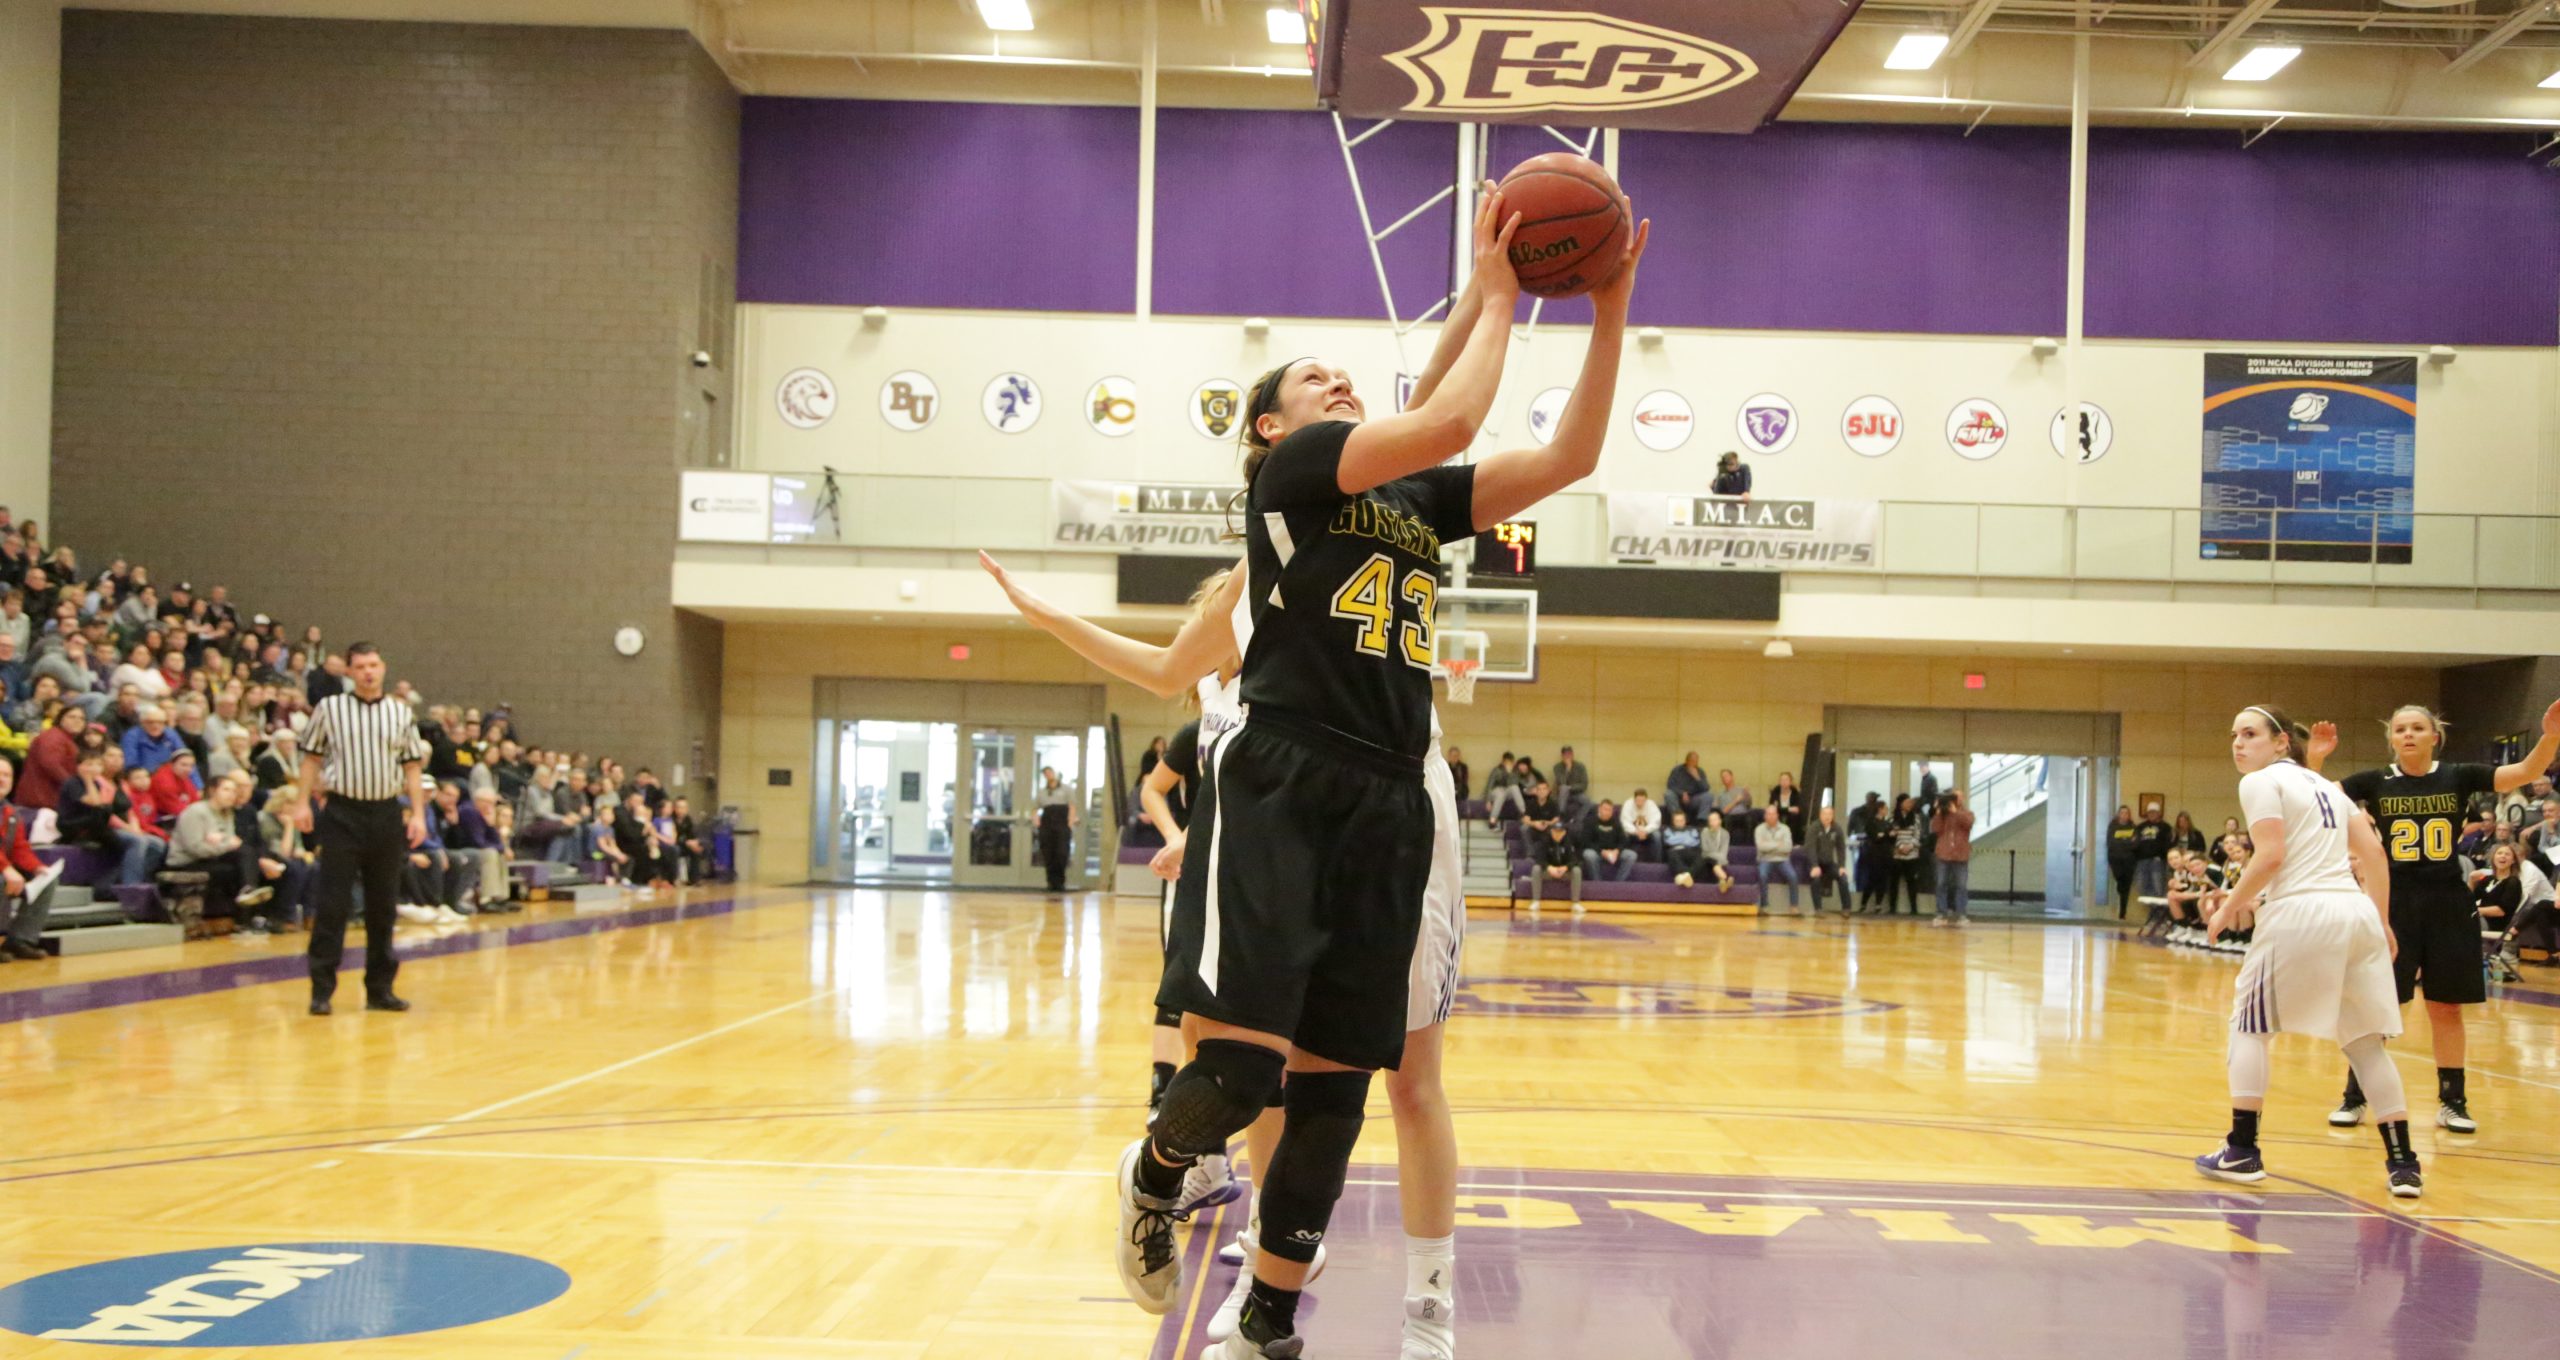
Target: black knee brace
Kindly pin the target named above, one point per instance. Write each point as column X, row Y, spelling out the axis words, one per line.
column 1212, row 1099
column 1323, row 1125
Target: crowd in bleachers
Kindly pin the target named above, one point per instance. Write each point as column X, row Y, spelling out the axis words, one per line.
column 160, row 733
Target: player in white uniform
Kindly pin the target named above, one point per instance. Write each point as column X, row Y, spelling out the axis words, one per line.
column 2321, row 960
column 1426, row 1137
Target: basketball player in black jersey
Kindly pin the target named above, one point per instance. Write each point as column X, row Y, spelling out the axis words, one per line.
column 1302, row 884
column 2419, row 806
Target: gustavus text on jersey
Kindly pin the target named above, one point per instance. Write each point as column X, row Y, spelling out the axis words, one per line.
column 1367, row 518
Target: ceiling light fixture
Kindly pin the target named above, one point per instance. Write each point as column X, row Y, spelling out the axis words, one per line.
column 1006, row 16
column 1285, row 25
column 2262, row 62
column 1916, row 52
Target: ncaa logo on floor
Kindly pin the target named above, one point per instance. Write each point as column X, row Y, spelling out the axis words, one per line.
column 280, row 1294
column 1567, row 998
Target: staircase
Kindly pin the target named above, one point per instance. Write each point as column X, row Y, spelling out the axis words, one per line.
column 85, row 923
column 2001, row 789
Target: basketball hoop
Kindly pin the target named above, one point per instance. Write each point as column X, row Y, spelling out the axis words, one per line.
column 1462, row 679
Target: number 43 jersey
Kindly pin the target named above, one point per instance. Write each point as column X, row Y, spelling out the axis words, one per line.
column 2420, row 817
column 1343, row 589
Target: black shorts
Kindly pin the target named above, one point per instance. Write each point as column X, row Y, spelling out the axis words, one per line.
column 2439, row 935
column 1301, row 892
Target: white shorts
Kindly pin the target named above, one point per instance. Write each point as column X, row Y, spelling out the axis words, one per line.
column 2318, row 965
column 1432, row 987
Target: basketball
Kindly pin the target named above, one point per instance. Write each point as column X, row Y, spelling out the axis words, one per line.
column 1573, row 224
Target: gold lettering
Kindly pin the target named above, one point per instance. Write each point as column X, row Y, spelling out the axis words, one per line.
column 1755, row 1220
column 1919, row 1225
column 1515, row 1211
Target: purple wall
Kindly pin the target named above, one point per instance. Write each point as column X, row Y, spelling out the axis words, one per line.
column 1821, row 226
column 2369, row 238
column 1254, row 215
column 855, row 202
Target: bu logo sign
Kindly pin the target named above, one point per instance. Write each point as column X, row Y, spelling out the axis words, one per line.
column 283, row 1294
column 909, row 400
column 1521, row 61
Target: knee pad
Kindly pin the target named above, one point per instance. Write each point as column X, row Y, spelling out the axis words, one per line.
column 1212, row 1099
column 2372, row 1066
column 2248, row 1066
column 1324, row 1113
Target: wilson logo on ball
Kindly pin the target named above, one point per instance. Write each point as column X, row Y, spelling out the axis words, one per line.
column 1521, row 255
column 1484, row 60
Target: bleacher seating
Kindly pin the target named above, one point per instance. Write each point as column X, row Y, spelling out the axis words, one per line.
column 1652, row 882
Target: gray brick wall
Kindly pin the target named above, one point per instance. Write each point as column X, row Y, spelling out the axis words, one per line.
column 385, row 325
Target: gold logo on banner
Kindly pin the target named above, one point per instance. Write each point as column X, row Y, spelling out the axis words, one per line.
column 1526, row 60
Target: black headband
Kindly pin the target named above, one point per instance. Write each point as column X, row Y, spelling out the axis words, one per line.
column 1266, row 393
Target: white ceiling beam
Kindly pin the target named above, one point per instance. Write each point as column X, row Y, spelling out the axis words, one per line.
column 1975, row 16
column 2526, row 16
column 2231, row 30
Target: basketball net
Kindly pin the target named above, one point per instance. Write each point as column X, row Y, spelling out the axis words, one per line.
column 1462, row 680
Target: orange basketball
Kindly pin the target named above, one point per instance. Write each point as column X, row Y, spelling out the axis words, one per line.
column 1573, row 224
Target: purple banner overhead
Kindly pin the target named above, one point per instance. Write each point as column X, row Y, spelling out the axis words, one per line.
column 1674, row 65
column 855, row 202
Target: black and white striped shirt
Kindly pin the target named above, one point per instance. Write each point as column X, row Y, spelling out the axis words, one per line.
column 362, row 745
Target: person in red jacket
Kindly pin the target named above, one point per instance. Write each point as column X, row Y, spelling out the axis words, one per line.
column 52, row 759
column 174, row 789
column 26, row 916
column 146, row 813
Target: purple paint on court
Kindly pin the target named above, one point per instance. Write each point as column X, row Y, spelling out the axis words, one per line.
column 1572, row 930
column 1587, row 998
column 1596, row 1263
column 36, row 1003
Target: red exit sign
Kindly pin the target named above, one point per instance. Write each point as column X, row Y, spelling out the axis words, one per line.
column 1975, row 680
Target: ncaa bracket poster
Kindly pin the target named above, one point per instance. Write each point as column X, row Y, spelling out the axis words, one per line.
column 2312, row 455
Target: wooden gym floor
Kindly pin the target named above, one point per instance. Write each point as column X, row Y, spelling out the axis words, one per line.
column 786, row 1122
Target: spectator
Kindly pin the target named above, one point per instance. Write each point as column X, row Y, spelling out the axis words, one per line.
column 2186, row 893
column 1458, row 773
column 14, row 623
column 16, row 676
column 1572, row 781
column 690, row 846
column 1539, row 811
column 141, row 672
column 150, row 744
column 31, row 714
column 509, row 773
column 1733, row 476
column 2540, row 840
column 631, row 830
column 2151, row 844
column 330, row 679
column 1953, row 829
column 186, row 721
column 125, row 715
column 1153, row 757
column 431, row 880
column 1871, row 839
column 1606, row 856
column 1730, row 798
column 1904, row 828
column 1680, row 849
column 138, row 612
column 25, row 914
column 471, row 837
column 604, row 850
column 1501, row 787
column 280, row 843
column 173, row 673
column 644, row 783
column 2185, row 836
column 146, row 813
column 1777, row 847
column 69, row 667
column 1685, row 788
column 1715, row 848
column 2220, row 853
column 2519, row 808
column 2120, row 857
column 1826, row 850
column 277, row 765
column 176, row 785
column 539, row 820
column 1790, row 803
column 53, row 760
column 94, row 812
column 1553, row 859
column 205, row 841
column 1644, row 826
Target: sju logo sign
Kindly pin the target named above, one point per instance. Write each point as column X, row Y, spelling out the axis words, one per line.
column 1481, row 60
column 282, row 1294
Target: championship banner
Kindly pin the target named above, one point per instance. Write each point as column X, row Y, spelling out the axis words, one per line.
column 1144, row 517
column 2314, row 456
column 1754, row 535
column 1674, row 65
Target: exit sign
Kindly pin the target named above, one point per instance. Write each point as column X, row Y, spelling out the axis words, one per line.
column 1975, row 680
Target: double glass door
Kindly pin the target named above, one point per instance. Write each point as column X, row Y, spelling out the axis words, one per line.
column 2032, row 819
column 1030, row 801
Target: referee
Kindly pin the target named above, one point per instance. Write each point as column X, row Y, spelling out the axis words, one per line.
column 360, row 751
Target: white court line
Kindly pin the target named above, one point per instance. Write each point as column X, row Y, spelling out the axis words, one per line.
column 659, row 1052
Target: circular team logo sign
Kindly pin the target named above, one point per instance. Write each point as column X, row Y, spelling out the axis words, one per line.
column 1011, row 403
column 1217, row 407
column 282, row 1294
column 1766, row 423
column 2096, row 433
column 1977, row 429
column 1546, row 411
column 1111, row 406
column 1574, row 998
column 1871, row 427
column 806, row 398
column 909, row 401
column 1664, row 421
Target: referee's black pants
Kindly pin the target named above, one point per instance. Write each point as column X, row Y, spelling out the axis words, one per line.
column 1057, row 844
column 367, row 841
